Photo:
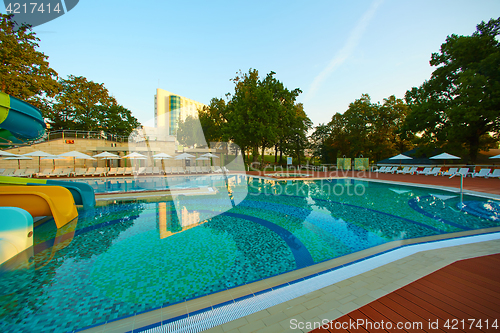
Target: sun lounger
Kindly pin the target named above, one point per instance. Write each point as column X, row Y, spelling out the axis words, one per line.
column 434, row 172
column 167, row 170
column 216, row 169
column 140, row 171
column 382, row 169
column 481, row 173
column 391, row 170
column 463, row 171
column 494, row 174
column 405, row 170
column 29, row 173
column 451, row 171
column 156, row 171
column 64, row 172
column 100, row 171
column 19, row 172
column 41, row 201
column 112, row 171
column 8, row 172
column 424, row 172
column 148, row 171
column 80, row 172
column 128, row 171
column 44, row 173
column 90, row 171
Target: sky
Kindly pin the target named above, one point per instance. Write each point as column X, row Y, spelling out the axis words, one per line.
column 333, row 50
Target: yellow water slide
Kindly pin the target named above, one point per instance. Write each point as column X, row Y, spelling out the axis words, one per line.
column 41, row 201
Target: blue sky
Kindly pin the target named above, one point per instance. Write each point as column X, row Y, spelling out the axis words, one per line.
column 334, row 51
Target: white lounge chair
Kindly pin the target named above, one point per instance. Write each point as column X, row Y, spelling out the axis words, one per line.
column 8, row 172
column 391, row 170
column 434, row 171
column 120, row 171
column 80, row 172
column 481, row 173
column 451, row 171
column 382, row 169
column 405, row 170
column 29, row 173
column 156, row 171
column 425, row 171
column 128, row 171
column 44, row 173
column 167, row 170
column 494, row 174
column 100, row 171
column 112, row 171
column 90, row 171
column 64, row 172
column 19, row 172
column 463, row 171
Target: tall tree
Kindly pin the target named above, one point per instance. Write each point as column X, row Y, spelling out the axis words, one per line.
column 79, row 104
column 296, row 134
column 458, row 107
column 24, row 72
column 190, row 132
column 117, row 120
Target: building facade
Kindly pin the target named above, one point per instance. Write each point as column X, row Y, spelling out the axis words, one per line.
column 171, row 108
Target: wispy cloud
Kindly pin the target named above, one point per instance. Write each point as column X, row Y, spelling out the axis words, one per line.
column 346, row 51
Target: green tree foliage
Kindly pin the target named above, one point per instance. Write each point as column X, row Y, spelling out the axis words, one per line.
column 212, row 119
column 117, row 120
column 373, row 130
column 259, row 112
column 295, row 139
column 458, row 107
column 24, row 72
column 85, row 105
column 190, row 132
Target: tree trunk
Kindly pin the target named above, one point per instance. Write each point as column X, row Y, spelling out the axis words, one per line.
column 275, row 153
column 263, row 155
column 281, row 152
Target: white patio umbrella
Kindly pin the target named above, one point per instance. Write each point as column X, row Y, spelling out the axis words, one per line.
column 53, row 158
column 184, row 156
column 6, row 153
column 202, row 158
column 76, row 154
column 445, row 156
column 162, row 157
column 39, row 154
column 106, row 155
column 135, row 156
column 401, row 157
column 211, row 156
column 18, row 158
column 497, row 156
column 111, row 158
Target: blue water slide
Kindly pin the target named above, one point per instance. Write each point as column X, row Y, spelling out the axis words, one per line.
column 20, row 122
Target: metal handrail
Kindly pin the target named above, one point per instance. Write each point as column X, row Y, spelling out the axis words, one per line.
column 75, row 134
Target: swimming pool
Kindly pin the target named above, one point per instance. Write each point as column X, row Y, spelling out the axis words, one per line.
column 128, row 257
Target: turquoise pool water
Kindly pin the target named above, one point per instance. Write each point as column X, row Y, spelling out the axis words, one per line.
column 128, row 257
